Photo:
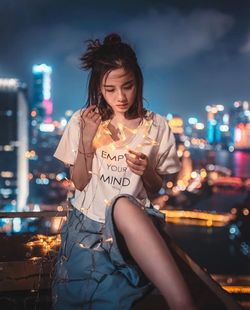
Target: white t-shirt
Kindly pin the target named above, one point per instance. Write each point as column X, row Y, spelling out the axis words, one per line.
column 110, row 173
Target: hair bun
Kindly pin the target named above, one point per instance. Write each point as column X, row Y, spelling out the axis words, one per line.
column 89, row 57
column 112, row 39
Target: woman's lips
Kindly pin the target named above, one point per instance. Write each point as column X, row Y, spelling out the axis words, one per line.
column 124, row 105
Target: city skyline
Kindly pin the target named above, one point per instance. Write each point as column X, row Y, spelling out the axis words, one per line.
column 192, row 54
column 195, row 59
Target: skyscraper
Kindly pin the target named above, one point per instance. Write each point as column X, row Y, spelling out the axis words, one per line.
column 240, row 125
column 214, row 122
column 42, row 104
column 45, row 171
column 14, row 187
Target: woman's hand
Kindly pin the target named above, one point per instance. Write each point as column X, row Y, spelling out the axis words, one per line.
column 137, row 162
column 90, row 121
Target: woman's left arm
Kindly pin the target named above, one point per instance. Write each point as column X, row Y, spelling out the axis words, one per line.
column 152, row 181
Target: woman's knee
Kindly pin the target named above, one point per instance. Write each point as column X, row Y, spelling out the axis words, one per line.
column 120, row 208
column 126, row 214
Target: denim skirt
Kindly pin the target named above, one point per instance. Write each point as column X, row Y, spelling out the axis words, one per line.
column 94, row 270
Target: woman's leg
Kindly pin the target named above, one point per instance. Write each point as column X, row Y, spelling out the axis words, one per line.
column 151, row 253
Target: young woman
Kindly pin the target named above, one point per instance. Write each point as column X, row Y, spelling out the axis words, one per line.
column 119, row 154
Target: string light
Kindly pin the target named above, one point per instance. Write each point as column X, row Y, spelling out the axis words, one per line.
column 112, row 146
column 49, row 244
column 132, row 155
column 122, row 133
column 91, row 172
column 103, row 138
column 45, row 243
column 109, row 239
column 82, row 245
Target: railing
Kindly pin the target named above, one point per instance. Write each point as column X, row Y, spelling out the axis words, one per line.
column 39, row 214
column 25, row 283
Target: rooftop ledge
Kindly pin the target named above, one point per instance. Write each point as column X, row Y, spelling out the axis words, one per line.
column 29, row 277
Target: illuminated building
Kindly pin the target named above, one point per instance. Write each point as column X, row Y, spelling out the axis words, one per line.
column 240, row 125
column 42, row 106
column 195, row 129
column 47, row 174
column 45, row 171
column 242, row 136
column 214, row 122
column 13, row 145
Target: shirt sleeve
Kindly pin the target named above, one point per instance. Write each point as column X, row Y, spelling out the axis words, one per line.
column 67, row 148
column 167, row 159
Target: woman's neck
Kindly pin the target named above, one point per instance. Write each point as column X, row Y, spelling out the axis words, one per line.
column 118, row 118
column 121, row 119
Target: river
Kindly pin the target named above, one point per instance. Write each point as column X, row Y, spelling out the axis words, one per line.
column 211, row 247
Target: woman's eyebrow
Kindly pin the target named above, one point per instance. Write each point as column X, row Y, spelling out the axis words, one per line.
column 126, row 83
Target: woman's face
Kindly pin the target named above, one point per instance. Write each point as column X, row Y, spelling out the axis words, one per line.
column 118, row 88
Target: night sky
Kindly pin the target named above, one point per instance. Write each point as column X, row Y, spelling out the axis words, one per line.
column 192, row 53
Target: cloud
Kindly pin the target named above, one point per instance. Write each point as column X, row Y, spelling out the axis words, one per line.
column 53, row 42
column 61, row 42
column 245, row 48
column 166, row 38
column 162, row 38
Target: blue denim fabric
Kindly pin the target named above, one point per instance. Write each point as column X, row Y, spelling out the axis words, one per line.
column 91, row 272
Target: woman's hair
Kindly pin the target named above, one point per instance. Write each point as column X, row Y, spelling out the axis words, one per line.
column 101, row 58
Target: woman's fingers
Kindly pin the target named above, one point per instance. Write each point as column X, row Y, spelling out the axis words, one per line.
column 136, row 165
column 136, row 170
column 137, row 157
column 88, row 110
column 96, row 118
column 137, row 154
column 136, row 161
column 91, row 113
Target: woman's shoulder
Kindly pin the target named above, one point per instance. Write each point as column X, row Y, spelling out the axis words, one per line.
column 158, row 119
column 76, row 117
column 73, row 124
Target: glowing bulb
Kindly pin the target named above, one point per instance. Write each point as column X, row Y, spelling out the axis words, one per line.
column 107, row 202
column 245, row 211
column 82, row 245
column 209, row 223
column 132, row 155
column 169, row 184
column 112, row 146
column 110, row 239
column 233, row 210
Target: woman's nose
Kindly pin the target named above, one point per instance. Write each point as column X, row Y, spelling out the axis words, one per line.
column 121, row 95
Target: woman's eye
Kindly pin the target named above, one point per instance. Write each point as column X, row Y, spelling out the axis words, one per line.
column 128, row 87
column 125, row 87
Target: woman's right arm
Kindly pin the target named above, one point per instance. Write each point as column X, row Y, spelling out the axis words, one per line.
column 80, row 171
